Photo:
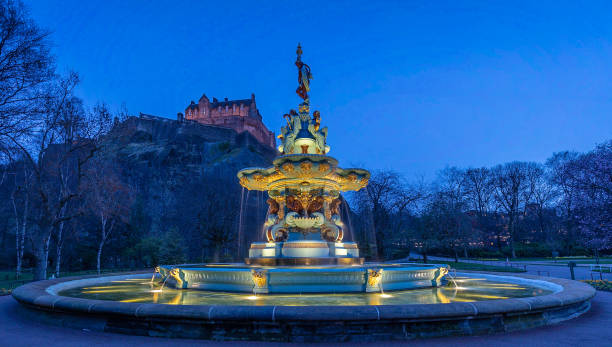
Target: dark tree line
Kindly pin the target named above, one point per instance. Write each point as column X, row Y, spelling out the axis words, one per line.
column 71, row 202
column 563, row 206
column 47, row 138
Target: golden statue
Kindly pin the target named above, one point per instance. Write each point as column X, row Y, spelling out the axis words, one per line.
column 316, row 117
column 304, row 76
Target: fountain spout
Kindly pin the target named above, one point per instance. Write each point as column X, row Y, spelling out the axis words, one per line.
column 260, row 281
column 373, row 283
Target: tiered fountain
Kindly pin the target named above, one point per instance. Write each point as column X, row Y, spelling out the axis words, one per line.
column 305, row 249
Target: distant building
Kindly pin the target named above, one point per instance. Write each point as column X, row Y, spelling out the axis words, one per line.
column 240, row 115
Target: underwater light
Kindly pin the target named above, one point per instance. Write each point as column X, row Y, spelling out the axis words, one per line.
column 252, row 297
column 386, row 295
column 156, row 291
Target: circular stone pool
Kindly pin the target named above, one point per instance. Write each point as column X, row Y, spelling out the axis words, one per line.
column 474, row 304
column 465, row 288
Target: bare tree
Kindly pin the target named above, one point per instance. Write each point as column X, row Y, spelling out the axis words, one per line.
column 216, row 216
column 25, row 67
column 511, row 190
column 407, row 199
column 384, row 207
column 478, row 189
column 561, row 178
column 590, row 177
column 21, row 220
column 381, row 193
column 451, row 192
column 544, row 194
column 63, row 141
column 108, row 198
column 430, row 229
column 60, row 238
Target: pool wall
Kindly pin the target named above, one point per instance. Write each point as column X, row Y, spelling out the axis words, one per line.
column 292, row 279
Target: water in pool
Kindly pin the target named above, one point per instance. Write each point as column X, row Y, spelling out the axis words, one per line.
column 464, row 289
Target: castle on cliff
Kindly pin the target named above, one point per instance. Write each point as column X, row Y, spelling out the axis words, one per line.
column 239, row 115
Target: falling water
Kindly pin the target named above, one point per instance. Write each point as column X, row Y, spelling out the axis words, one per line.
column 244, row 215
column 452, row 278
column 257, row 213
column 372, row 242
column 240, row 219
column 454, row 283
column 264, row 227
column 163, row 283
column 262, row 236
column 347, row 212
column 382, row 292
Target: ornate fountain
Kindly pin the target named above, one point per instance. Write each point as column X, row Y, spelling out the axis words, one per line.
column 304, row 250
column 303, row 226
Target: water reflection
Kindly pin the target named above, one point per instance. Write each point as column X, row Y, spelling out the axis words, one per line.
column 466, row 289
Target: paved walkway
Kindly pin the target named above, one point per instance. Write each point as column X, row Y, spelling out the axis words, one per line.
column 591, row 329
column 581, row 272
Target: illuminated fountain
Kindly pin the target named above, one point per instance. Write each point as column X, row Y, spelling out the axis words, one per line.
column 305, row 250
column 305, row 283
column 304, row 185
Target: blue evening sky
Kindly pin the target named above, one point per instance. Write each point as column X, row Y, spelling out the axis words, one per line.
column 401, row 85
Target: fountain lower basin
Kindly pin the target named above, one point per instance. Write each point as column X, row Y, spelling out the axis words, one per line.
column 304, row 279
column 476, row 304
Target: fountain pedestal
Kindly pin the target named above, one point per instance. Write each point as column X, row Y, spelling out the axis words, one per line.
column 308, row 252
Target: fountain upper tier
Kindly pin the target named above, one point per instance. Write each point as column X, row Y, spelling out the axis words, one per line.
column 304, row 186
column 304, row 172
column 303, row 163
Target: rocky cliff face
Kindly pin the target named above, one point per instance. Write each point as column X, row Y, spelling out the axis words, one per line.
column 184, row 177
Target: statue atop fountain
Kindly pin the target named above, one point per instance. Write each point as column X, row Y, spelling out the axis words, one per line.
column 304, row 226
column 304, row 76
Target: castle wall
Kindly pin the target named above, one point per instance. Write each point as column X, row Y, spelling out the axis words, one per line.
column 239, row 115
column 160, row 127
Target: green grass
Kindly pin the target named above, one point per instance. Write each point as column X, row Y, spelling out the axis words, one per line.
column 601, row 285
column 559, row 260
column 477, row 267
column 10, row 276
column 601, row 261
column 603, row 270
column 8, row 280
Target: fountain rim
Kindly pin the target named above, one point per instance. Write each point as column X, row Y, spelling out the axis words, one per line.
column 43, row 295
column 296, row 323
